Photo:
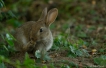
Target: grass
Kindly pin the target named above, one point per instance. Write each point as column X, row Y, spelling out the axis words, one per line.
column 79, row 36
column 63, row 47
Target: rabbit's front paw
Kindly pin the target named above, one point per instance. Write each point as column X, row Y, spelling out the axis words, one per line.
column 32, row 42
column 29, row 45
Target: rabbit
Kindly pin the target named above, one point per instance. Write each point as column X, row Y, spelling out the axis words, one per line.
column 32, row 36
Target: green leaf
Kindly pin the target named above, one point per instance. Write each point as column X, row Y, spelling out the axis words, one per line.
column 79, row 52
column 2, row 58
column 4, row 52
column 2, row 36
column 10, row 13
column 14, row 22
column 37, row 54
column 44, row 66
column 46, row 57
column 85, row 52
column 28, row 63
column 67, row 66
column 2, row 65
column 18, row 64
column 72, row 49
column 1, row 5
column 84, row 0
column 2, row 2
column 10, row 39
column 101, row 50
column 100, row 60
column 52, row 65
column 5, row 47
column 27, row 59
column 10, row 42
column 73, row 65
column 82, row 34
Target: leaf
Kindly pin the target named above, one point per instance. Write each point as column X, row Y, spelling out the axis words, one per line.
column 27, row 59
column 82, row 34
column 5, row 47
column 44, row 66
column 10, row 42
column 14, row 22
column 10, row 13
column 1, row 5
column 10, row 39
column 100, row 60
column 2, row 58
column 72, row 64
column 2, row 36
column 72, row 49
column 72, row 55
column 28, row 63
column 67, row 66
column 79, row 52
column 78, row 9
column 2, row 2
column 46, row 57
column 52, row 65
column 18, row 64
column 85, row 52
column 37, row 54
column 101, row 50
column 4, row 52
column 2, row 65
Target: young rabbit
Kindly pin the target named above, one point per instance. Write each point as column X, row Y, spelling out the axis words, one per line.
column 33, row 36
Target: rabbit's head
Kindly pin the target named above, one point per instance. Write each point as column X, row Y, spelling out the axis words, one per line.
column 40, row 30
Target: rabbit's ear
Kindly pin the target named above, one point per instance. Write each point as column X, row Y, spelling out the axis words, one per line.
column 51, row 16
column 43, row 15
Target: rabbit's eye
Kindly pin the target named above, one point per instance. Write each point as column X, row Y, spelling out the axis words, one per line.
column 41, row 30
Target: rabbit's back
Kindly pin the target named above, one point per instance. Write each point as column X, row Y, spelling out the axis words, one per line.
column 22, row 34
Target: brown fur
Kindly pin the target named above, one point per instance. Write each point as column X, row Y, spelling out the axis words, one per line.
column 36, row 35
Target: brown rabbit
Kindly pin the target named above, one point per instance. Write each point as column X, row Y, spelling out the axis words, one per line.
column 36, row 35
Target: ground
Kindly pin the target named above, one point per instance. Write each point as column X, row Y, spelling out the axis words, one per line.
column 79, row 32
